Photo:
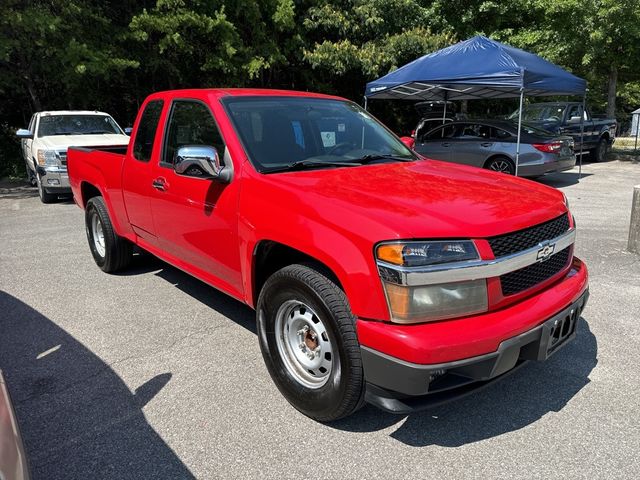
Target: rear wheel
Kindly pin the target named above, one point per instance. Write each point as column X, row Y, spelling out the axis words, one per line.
column 42, row 193
column 599, row 154
column 309, row 344
column 501, row 164
column 110, row 251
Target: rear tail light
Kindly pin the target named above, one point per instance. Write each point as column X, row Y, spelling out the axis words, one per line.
column 552, row 147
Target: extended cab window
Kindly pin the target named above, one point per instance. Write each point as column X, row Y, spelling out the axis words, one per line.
column 191, row 123
column 146, row 132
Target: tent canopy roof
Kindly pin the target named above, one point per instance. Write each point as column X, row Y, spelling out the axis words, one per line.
column 476, row 68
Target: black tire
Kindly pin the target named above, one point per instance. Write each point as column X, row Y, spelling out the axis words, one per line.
column 501, row 164
column 42, row 193
column 31, row 176
column 599, row 154
column 118, row 251
column 343, row 392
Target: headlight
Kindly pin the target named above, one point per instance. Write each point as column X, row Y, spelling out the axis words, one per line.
column 47, row 157
column 424, row 303
column 436, row 302
column 420, row 254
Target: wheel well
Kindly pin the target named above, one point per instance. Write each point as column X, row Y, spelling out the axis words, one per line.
column 605, row 136
column 493, row 157
column 88, row 192
column 270, row 256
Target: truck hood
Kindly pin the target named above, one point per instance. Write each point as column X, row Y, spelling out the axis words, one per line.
column 425, row 199
column 59, row 142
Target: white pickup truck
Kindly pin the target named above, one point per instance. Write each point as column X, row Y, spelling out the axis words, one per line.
column 45, row 143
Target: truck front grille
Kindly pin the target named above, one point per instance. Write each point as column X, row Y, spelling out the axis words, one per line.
column 530, row 276
column 529, row 237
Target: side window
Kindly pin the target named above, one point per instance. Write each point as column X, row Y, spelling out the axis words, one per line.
column 146, row 133
column 445, row 132
column 191, row 123
column 574, row 111
column 473, row 131
column 501, row 134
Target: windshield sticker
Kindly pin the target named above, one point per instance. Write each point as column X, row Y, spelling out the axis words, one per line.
column 341, row 127
column 328, row 139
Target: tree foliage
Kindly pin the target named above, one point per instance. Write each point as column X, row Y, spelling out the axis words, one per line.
column 110, row 54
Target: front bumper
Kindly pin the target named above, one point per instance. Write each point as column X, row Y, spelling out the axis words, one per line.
column 54, row 179
column 402, row 387
column 542, row 168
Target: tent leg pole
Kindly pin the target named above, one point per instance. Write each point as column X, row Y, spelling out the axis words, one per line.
column 584, row 103
column 444, row 112
column 519, row 128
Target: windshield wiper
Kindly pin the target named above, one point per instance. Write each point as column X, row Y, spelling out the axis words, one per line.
column 373, row 157
column 95, row 132
column 302, row 164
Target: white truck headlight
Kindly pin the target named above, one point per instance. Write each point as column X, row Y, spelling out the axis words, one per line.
column 425, row 303
column 47, row 158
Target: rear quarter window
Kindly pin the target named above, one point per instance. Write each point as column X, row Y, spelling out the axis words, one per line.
column 146, row 132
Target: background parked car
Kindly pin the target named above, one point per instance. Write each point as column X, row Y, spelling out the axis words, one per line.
column 491, row 144
column 45, row 143
column 563, row 118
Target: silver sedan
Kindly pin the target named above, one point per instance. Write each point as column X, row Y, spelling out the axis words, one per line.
column 491, row 144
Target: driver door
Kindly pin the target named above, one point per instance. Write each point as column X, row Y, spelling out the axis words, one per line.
column 196, row 218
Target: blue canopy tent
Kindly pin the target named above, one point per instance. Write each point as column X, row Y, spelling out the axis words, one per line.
column 474, row 69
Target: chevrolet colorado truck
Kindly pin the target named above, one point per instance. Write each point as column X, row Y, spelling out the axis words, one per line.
column 564, row 118
column 377, row 275
column 46, row 140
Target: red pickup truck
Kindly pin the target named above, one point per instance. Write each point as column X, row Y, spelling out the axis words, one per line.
column 377, row 275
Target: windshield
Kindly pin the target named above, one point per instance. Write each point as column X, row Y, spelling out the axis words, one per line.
column 540, row 113
column 77, row 125
column 282, row 132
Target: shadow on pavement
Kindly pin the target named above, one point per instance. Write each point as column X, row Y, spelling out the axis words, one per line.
column 234, row 310
column 77, row 417
column 508, row 405
column 562, row 179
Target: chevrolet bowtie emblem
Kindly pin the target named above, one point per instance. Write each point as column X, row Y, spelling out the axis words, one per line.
column 545, row 252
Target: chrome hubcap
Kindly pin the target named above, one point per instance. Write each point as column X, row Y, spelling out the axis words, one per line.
column 500, row 166
column 303, row 344
column 98, row 235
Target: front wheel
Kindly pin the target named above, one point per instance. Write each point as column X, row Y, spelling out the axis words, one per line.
column 45, row 197
column 501, row 164
column 309, row 344
column 110, row 251
column 599, row 154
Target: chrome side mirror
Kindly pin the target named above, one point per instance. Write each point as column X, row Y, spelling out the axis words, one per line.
column 24, row 133
column 200, row 161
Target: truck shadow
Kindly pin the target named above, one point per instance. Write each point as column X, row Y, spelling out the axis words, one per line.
column 513, row 403
column 77, row 417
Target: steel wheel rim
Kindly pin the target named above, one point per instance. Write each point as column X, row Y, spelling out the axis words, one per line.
column 500, row 166
column 98, row 235
column 303, row 344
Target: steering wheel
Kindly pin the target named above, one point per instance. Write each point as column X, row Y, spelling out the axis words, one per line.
column 340, row 146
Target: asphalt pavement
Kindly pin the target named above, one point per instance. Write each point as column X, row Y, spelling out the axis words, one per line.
column 153, row 374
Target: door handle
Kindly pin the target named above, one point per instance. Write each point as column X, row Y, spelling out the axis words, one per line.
column 446, row 144
column 159, row 184
column 486, row 144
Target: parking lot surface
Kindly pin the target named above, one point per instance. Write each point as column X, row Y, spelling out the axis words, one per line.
column 153, row 374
